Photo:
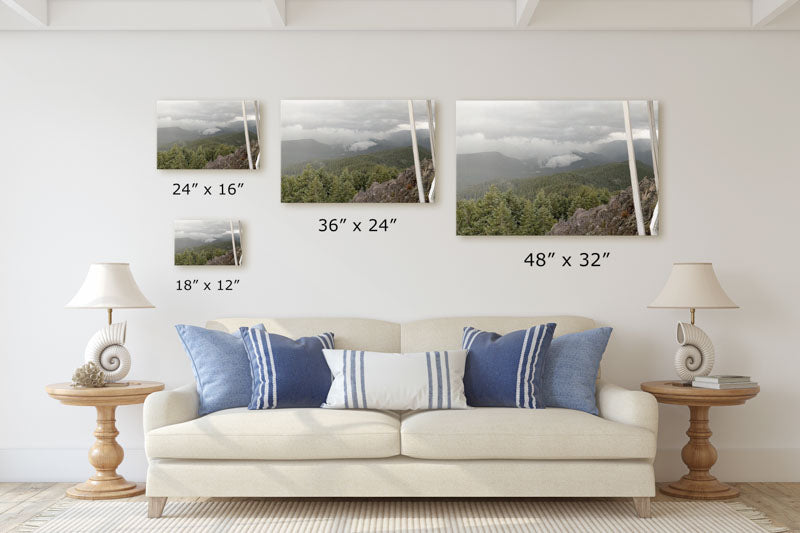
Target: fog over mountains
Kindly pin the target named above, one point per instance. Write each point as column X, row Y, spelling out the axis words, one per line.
column 194, row 122
column 502, row 140
column 483, row 167
column 310, row 150
column 191, row 233
column 170, row 135
column 321, row 130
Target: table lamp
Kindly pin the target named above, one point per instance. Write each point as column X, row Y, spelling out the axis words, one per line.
column 109, row 286
column 693, row 286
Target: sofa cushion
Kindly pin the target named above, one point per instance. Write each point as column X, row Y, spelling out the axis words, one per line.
column 279, row 434
column 447, row 333
column 510, row 433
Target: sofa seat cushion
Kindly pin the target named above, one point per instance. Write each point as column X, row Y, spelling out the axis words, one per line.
column 280, row 434
column 509, row 433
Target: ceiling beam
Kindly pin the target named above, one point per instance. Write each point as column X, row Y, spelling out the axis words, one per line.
column 277, row 11
column 525, row 9
column 765, row 11
column 34, row 11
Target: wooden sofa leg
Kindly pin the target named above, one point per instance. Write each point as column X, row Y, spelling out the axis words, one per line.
column 642, row 506
column 155, row 506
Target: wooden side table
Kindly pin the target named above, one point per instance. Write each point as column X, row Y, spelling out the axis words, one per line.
column 106, row 454
column 698, row 454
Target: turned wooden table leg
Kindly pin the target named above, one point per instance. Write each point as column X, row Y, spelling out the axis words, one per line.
column 105, row 455
column 699, row 455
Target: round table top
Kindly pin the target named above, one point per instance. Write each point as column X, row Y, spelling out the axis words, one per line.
column 114, row 394
column 674, row 392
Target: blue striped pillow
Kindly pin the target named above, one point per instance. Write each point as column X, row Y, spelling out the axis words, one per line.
column 286, row 372
column 506, row 371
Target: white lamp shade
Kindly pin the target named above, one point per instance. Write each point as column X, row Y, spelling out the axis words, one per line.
column 693, row 286
column 109, row 286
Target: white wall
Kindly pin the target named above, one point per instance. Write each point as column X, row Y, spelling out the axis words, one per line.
column 77, row 140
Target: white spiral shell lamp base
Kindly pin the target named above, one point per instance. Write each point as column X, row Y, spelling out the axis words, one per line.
column 106, row 349
column 695, row 357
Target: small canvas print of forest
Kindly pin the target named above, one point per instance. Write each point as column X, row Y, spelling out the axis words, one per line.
column 208, row 242
column 341, row 151
column 557, row 167
column 218, row 134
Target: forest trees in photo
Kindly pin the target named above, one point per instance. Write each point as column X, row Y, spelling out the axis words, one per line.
column 555, row 168
column 341, row 151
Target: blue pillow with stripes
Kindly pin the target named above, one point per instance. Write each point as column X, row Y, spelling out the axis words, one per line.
column 506, row 370
column 287, row 372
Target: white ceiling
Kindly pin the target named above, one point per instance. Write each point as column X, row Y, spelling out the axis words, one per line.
column 399, row 14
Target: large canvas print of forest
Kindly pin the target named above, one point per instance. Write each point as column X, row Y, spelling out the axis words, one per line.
column 208, row 242
column 342, row 151
column 213, row 134
column 557, row 167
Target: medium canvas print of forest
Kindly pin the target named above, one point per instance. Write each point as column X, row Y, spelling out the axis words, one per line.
column 214, row 134
column 557, row 167
column 342, row 151
column 208, row 242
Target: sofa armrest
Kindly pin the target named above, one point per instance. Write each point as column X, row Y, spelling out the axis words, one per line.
column 632, row 407
column 169, row 407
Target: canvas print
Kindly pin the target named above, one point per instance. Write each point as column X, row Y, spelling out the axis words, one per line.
column 208, row 242
column 557, row 167
column 360, row 151
column 215, row 134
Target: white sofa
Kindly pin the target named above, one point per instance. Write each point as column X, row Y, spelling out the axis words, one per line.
column 480, row 452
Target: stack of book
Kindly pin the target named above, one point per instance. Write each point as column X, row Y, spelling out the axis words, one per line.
column 723, row 382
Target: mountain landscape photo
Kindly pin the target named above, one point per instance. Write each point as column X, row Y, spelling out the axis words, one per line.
column 554, row 168
column 354, row 151
column 208, row 242
column 196, row 134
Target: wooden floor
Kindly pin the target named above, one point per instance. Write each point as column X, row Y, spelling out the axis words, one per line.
column 21, row 501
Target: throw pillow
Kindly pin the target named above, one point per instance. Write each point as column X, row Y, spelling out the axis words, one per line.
column 506, row 370
column 376, row 380
column 570, row 371
column 220, row 366
column 286, row 372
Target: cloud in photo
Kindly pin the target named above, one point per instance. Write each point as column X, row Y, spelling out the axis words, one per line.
column 202, row 115
column 349, row 123
column 204, row 230
column 547, row 130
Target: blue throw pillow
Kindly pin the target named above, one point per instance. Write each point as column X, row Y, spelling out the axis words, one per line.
column 571, row 369
column 220, row 365
column 506, row 371
column 286, row 372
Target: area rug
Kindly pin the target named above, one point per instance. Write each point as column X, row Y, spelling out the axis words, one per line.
column 565, row 516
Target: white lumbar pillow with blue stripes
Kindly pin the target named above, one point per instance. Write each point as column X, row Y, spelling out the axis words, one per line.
column 396, row 381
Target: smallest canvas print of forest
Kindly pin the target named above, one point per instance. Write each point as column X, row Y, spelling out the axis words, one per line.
column 557, row 167
column 208, row 242
column 215, row 134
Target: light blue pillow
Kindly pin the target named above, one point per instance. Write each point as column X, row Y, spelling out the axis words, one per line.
column 220, row 365
column 506, row 371
column 570, row 369
column 286, row 372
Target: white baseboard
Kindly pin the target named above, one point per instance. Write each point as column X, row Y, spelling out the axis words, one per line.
column 737, row 464
column 72, row 465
